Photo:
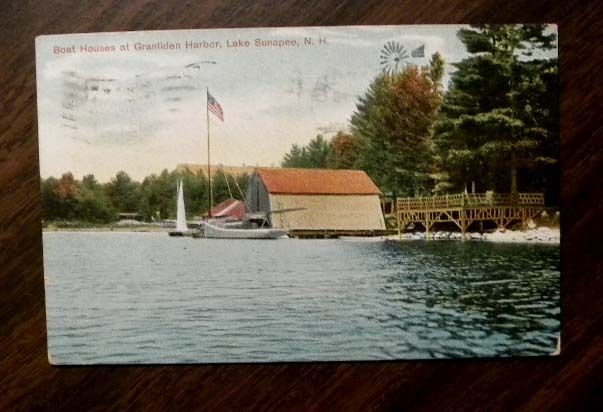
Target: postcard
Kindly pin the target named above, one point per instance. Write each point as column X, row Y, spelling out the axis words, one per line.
column 300, row 194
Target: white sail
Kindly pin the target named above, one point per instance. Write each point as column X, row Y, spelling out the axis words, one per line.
column 181, row 211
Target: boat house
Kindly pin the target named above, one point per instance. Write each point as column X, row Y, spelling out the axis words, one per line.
column 317, row 201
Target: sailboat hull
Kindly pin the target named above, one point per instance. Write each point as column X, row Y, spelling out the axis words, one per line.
column 216, row 232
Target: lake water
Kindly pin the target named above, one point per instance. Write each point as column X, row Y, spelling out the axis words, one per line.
column 148, row 298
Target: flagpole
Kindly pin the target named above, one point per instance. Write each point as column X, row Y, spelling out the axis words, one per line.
column 208, row 155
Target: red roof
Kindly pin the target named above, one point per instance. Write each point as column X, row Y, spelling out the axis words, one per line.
column 317, row 182
column 229, row 208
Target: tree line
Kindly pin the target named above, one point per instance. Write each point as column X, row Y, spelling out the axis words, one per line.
column 67, row 198
column 496, row 127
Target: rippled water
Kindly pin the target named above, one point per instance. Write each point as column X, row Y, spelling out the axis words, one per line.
column 148, row 298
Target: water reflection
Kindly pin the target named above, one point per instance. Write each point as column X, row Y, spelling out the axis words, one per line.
column 474, row 298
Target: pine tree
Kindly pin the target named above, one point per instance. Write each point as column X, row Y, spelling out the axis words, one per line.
column 312, row 156
column 495, row 118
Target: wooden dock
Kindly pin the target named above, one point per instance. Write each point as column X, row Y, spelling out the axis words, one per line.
column 336, row 233
column 468, row 208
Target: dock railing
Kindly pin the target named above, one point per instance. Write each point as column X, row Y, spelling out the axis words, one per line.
column 465, row 200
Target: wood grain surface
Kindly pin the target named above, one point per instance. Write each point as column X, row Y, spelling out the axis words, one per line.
column 572, row 381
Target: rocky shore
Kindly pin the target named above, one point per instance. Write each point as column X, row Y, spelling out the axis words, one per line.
column 538, row 235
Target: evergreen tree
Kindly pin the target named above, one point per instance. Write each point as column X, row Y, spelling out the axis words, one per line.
column 295, row 158
column 318, row 152
column 313, row 156
column 496, row 115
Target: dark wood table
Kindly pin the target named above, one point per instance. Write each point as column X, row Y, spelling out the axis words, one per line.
column 570, row 382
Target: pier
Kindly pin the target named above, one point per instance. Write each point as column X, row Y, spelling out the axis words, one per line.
column 466, row 209
column 337, row 233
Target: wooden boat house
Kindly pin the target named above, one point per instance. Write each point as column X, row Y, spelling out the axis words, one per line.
column 317, row 202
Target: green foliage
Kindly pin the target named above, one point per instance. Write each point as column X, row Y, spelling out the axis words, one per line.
column 222, row 187
column 343, row 151
column 123, row 192
column 295, row 158
column 94, row 206
column 226, row 186
column 157, row 194
column 68, row 199
column 89, row 202
column 505, row 41
column 65, row 193
column 500, row 113
column 50, row 199
column 436, row 70
column 242, row 181
column 195, row 188
column 312, row 156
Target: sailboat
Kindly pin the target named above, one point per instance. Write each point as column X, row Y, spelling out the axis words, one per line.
column 181, row 226
column 218, row 230
column 222, row 228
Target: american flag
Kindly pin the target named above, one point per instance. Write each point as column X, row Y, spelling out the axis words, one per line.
column 214, row 107
column 418, row 52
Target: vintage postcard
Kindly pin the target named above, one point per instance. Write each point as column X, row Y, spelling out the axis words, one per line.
column 300, row 194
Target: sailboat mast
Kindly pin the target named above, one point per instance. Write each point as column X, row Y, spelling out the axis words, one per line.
column 210, row 194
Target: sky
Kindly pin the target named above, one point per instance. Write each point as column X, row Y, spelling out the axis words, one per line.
column 142, row 111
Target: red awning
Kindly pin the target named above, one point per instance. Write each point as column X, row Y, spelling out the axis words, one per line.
column 229, row 208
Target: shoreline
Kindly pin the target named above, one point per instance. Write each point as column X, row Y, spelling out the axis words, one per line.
column 139, row 229
column 544, row 235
